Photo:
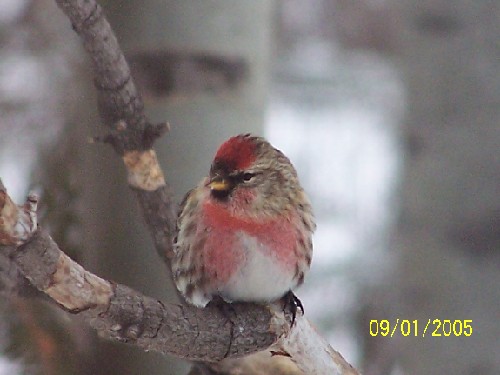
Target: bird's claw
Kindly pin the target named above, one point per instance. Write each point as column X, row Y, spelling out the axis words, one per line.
column 292, row 303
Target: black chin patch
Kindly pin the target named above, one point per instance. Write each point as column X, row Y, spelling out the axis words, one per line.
column 220, row 194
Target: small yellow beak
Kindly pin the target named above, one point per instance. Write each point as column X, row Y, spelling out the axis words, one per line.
column 219, row 184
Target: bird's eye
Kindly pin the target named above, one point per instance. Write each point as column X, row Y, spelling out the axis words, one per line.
column 248, row 176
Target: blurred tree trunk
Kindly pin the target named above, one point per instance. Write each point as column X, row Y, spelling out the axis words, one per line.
column 447, row 237
column 204, row 67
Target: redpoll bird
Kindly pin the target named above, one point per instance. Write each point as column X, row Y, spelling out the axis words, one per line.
column 244, row 233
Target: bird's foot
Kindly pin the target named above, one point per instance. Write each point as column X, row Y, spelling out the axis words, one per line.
column 292, row 303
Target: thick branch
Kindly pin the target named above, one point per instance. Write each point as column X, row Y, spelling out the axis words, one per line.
column 122, row 314
column 117, row 312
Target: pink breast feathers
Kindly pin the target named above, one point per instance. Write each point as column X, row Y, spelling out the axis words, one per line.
column 223, row 250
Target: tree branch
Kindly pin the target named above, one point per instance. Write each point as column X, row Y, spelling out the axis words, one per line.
column 120, row 313
column 120, row 104
column 122, row 110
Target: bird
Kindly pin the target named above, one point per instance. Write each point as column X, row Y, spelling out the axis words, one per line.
column 244, row 233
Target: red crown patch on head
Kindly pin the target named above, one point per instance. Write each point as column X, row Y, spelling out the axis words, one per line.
column 237, row 152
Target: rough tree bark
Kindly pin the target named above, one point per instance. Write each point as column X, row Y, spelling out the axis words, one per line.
column 115, row 310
